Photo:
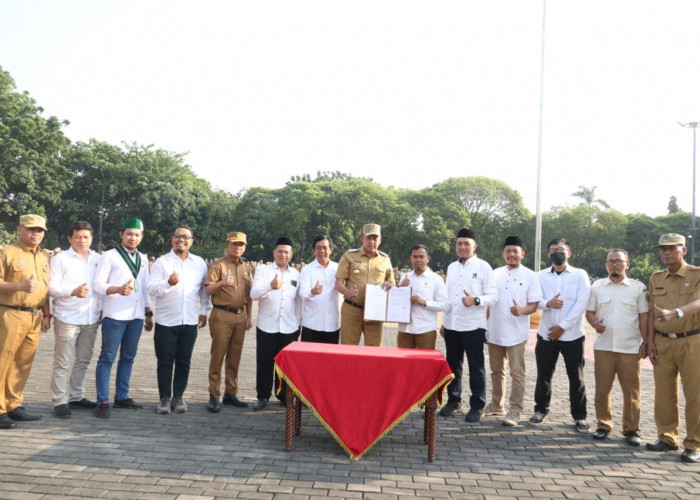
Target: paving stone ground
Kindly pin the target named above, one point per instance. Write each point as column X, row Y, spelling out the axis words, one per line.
column 240, row 454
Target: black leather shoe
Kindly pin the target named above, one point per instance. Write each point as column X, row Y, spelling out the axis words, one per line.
column 103, row 410
column 21, row 415
column 661, row 446
column 600, row 434
column 62, row 411
column 449, row 408
column 128, row 403
column 6, row 422
column 213, row 405
column 691, row 456
column 83, row 403
column 232, row 399
column 261, row 404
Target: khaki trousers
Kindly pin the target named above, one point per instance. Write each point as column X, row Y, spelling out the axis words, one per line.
column 515, row 355
column 416, row 341
column 628, row 368
column 677, row 357
column 19, row 338
column 227, row 334
column 353, row 324
column 73, row 348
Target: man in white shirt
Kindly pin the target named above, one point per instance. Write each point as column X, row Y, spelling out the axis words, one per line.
column 565, row 292
column 428, row 297
column 471, row 289
column 121, row 277
column 177, row 281
column 618, row 310
column 508, row 331
column 320, row 318
column 77, row 311
column 275, row 286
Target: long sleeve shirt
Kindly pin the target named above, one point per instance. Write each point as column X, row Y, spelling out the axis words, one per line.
column 183, row 303
column 320, row 312
column 279, row 311
column 574, row 289
column 113, row 271
column 476, row 277
column 67, row 271
column 431, row 288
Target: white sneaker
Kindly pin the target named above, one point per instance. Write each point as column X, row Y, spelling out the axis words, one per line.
column 178, row 405
column 512, row 419
column 492, row 411
column 582, row 426
column 163, row 406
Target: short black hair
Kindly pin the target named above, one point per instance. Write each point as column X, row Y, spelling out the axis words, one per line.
column 80, row 225
column 557, row 240
column 418, row 247
column 183, row 227
column 322, row 237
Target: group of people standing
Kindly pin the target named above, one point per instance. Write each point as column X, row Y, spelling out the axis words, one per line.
column 325, row 303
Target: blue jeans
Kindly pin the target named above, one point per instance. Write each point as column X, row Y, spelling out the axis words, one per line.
column 115, row 334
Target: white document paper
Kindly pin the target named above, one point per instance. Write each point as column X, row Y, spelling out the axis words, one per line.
column 393, row 305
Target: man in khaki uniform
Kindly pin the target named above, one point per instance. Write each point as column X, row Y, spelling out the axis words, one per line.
column 358, row 268
column 673, row 339
column 24, row 285
column 228, row 282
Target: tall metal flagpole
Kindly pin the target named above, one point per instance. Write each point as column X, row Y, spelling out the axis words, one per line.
column 538, row 212
column 694, row 126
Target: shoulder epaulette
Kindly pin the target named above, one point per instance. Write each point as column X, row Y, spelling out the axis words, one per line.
column 354, row 249
column 382, row 253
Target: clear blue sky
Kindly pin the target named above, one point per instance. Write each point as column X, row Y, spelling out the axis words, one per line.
column 408, row 93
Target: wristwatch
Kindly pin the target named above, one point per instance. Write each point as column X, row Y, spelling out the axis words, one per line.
column 477, row 301
column 679, row 313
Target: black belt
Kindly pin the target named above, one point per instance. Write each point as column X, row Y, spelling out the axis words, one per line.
column 23, row 309
column 353, row 304
column 678, row 335
column 230, row 309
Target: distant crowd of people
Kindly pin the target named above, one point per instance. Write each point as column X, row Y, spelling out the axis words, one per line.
column 324, row 301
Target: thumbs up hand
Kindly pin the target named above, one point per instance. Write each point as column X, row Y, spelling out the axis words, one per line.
column 126, row 288
column 468, row 300
column 81, row 291
column 30, row 285
column 515, row 309
column 228, row 278
column 276, row 282
column 555, row 302
column 318, row 288
column 174, row 279
column 599, row 325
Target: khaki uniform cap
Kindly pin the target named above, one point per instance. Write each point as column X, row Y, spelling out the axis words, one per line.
column 671, row 239
column 368, row 229
column 236, row 236
column 32, row 220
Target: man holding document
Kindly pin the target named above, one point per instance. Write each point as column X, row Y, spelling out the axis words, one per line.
column 358, row 268
column 428, row 297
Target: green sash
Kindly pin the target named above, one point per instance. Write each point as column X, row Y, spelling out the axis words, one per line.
column 134, row 268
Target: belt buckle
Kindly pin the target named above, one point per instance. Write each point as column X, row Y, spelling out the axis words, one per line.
column 672, row 336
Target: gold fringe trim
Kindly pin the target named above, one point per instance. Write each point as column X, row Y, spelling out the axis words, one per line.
column 396, row 422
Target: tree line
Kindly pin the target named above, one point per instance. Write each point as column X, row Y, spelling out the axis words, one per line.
column 44, row 172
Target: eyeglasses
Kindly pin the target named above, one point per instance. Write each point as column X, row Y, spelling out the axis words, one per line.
column 182, row 237
column 613, row 262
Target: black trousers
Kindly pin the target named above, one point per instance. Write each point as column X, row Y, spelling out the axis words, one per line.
column 174, row 344
column 471, row 343
column 546, row 354
column 268, row 346
column 309, row 335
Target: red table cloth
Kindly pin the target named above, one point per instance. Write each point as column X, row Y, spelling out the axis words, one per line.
column 360, row 393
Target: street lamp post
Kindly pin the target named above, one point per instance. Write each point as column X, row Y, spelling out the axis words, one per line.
column 694, row 126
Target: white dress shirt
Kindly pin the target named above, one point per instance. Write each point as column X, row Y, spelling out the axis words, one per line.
column 522, row 285
column 68, row 270
column 431, row 288
column 574, row 288
column 320, row 312
column 183, row 303
column 619, row 306
column 113, row 271
column 279, row 311
column 476, row 277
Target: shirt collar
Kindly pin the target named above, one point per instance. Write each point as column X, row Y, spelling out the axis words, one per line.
column 175, row 256
column 682, row 271
column 625, row 281
column 27, row 249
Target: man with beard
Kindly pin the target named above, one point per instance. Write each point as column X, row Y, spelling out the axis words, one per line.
column 279, row 314
column 177, row 282
column 618, row 310
column 229, row 281
column 565, row 292
column 121, row 277
column 24, row 311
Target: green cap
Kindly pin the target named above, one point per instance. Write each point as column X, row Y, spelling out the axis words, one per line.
column 132, row 224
